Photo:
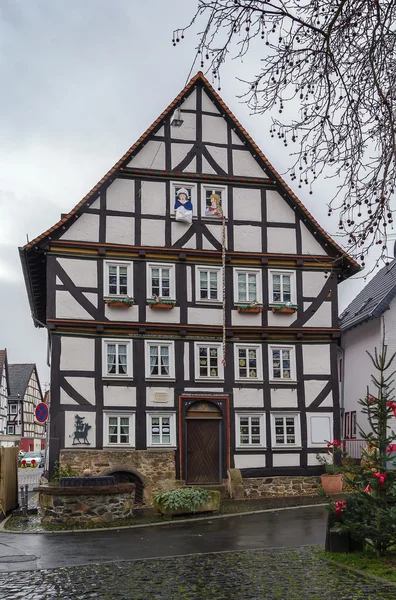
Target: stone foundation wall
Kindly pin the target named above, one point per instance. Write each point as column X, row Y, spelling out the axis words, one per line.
column 86, row 505
column 155, row 468
column 268, row 487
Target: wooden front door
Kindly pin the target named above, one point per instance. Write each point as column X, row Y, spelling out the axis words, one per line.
column 203, row 451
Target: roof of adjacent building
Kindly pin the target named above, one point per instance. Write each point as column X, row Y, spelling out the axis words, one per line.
column 4, row 366
column 373, row 300
column 19, row 379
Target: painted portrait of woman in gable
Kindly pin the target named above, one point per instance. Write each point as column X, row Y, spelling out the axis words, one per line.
column 183, row 205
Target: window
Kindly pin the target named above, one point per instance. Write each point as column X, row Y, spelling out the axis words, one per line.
column 208, row 361
column 117, row 358
column 120, row 429
column 11, row 429
column 161, row 281
column 250, row 430
column 285, row 430
column 247, row 286
column 248, row 363
column 13, row 409
column 282, row 287
column 214, row 200
column 161, row 429
column 353, row 424
column 347, row 425
column 118, row 279
column 184, row 198
column 282, row 363
column 208, row 284
column 159, row 360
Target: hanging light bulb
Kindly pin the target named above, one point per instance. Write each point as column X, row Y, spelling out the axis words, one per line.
column 177, row 120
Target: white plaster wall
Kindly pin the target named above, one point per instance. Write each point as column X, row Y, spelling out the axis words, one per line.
column 66, row 307
column 95, row 204
column 153, row 232
column 313, row 282
column 178, row 153
column 309, row 244
column 163, row 316
column 120, row 195
column 81, row 272
column 178, row 230
column 278, row 211
column 358, row 366
column 281, row 320
column 85, row 228
column 235, row 139
column 249, row 461
column 313, row 389
column 130, row 314
column 249, row 319
column 93, row 298
column 150, row 396
column 84, row 386
column 191, row 101
column 316, row 358
column 77, row 354
column 247, row 204
column 208, row 316
column 244, row 164
column 120, row 230
column 186, row 361
column 189, row 274
column 217, row 230
column 284, row 398
column 207, row 104
column 321, row 317
column 281, row 241
column 89, row 418
column 248, row 398
column 153, row 197
column 220, row 156
column 119, row 395
column 188, row 130
column 206, row 167
column 214, row 129
column 319, row 429
column 313, row 461
column 151, row 156
column 198, row 391
column 247, row 238
column 390, row 329
column 286, row 460
column 66, row 399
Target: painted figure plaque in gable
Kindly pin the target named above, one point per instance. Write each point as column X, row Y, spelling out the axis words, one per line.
column 183, row 205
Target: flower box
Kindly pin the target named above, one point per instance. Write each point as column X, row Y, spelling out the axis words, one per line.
column 211, row 505
column 162, row 305
column 289, row 310
column 250, row 309
column 119, row 302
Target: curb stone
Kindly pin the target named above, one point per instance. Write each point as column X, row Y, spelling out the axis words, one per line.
column 358, row 571
column 160, row 524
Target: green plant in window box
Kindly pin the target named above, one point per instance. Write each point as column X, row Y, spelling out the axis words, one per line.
column 251, row 307
column 284, row 307
column 120, row 302
column 157, row 302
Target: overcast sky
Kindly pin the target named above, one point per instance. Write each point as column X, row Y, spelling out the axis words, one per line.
column 81, row 80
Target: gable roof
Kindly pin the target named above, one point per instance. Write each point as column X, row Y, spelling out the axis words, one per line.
column 4, row 367
column 373, row 300
column 19, row 379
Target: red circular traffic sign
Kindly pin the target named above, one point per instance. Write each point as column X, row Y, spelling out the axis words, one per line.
column 41, row 412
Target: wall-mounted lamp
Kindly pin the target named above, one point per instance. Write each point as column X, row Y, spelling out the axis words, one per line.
column 177, row 120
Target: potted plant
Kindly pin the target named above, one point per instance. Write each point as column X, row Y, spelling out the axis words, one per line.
column 187, row 500
column 252, row 307
column 161, row 303
column 285, row 308
column 332, row 479
column 120, row 302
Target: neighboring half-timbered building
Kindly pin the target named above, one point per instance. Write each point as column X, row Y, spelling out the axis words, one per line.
column 191, row 301
column 4, row 391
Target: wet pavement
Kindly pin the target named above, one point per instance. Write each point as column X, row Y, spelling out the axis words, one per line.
column 295, row 527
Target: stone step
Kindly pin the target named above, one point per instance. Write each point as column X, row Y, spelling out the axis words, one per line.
column 218, row 487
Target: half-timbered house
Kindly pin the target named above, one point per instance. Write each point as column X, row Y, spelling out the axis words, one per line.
column 4, row 391
column 191, row 301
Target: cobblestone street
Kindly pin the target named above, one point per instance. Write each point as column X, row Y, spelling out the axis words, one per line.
column 277, row 574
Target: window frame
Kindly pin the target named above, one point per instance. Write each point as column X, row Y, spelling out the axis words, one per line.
column 224, row 203
column 10, row 427
column 347, row 425
column 297, row 430
column 106, row 278
column 281, row 380
column 172, row 428
column 14, row 405
column 259, row 360
column 172, row 280
column 132, row 428
column 171, row 345
column 220, row 367
column 262, row 445
column 293, row 294
column 259, row 286
column 353, row 431
column 218, row 270
column 185, row 184
column 129, row 345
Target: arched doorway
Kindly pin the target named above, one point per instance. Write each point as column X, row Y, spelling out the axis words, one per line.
column 203, row 443
column 129, row 477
